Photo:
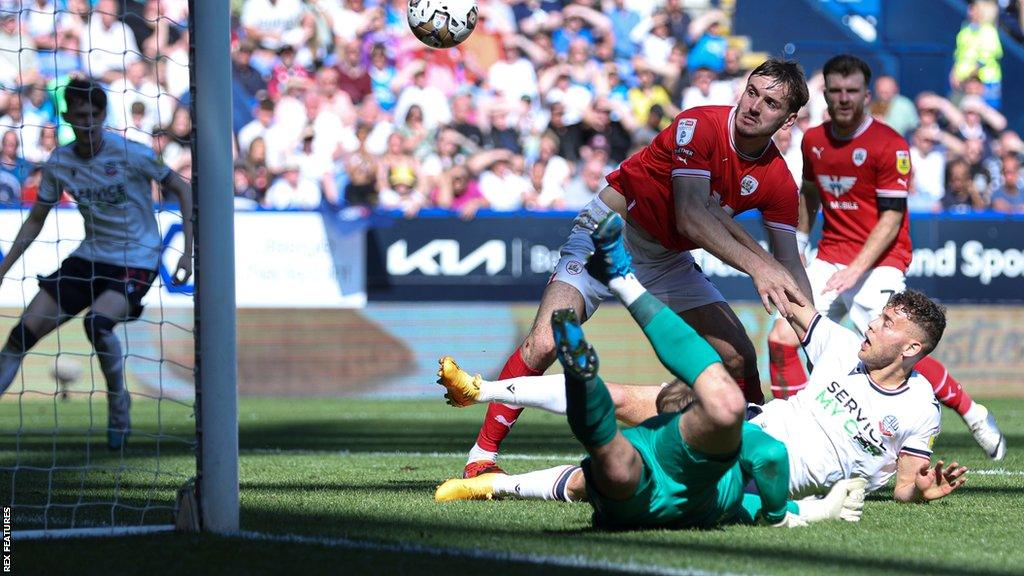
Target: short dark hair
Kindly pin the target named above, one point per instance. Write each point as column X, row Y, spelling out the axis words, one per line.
column 846, row 65
column 85, row 91
column 924, row 313
column 790, row 75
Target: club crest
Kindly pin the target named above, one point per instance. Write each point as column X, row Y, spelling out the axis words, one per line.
column 860, row 155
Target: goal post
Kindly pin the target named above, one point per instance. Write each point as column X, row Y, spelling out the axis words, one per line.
column 216, row 362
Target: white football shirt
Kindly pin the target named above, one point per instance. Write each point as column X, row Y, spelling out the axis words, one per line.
column 114, row 195
column 843, row 424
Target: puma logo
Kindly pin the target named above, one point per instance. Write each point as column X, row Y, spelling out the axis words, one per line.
column 500, row 419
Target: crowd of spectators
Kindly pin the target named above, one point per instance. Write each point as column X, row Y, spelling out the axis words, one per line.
column 336, row 104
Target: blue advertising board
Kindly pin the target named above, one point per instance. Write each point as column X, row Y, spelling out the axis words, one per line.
column 509, row 257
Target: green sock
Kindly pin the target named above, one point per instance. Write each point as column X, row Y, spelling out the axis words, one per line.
column 677, row 344
column 590, row 411
column 765, row 460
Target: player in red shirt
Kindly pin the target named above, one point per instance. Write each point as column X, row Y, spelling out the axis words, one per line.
column 858, row 169
column 677, row 194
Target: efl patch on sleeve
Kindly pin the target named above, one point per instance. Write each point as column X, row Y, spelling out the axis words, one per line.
column 685, row 130
column 903, row 161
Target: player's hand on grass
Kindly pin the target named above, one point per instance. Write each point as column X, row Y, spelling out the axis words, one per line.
column 776, row 286
column 843, row 280
column 184, row 270
column 934, row 483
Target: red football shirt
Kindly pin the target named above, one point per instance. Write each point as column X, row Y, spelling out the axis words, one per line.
column 699, row 144
column 851, row 175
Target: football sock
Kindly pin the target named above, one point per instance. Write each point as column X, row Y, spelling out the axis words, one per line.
column 676, row 343
column 590, row 411
column 626, row 288
column 765, row 460
column 20, row 341
column 500, row 417
column 549, row 484
column 544, row 392
column 100, row 332
column 786, row 369
column 947, row 389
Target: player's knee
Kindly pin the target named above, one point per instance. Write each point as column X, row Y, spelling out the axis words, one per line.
column 21, row 339
column 538, row 349
column 727, row 408
column 98, row 328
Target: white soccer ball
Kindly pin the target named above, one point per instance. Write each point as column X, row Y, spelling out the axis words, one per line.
column 66, row 370
column 442, row 23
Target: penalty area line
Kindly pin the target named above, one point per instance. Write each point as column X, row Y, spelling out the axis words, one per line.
column 489, row 555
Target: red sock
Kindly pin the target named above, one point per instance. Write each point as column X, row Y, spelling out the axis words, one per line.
column 750, row 392
column 787, row 371
column 946, row 388
column 500, row 417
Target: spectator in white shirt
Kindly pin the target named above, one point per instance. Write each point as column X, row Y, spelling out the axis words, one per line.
column 706, row 90
column 137, row 85
column 433, row 102
column 513, row 76
column 503, row 188
column 290, row 190
column 927, row 184
column 273, row 22
column 108, row 44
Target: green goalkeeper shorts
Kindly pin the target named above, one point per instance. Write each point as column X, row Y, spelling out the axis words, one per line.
column 679, row 487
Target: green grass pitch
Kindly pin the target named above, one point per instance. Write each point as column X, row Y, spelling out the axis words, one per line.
column 352, row 481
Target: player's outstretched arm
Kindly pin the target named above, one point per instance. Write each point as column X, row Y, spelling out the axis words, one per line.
column 918, row 481
column 28, row 232
column 183, row 191
column 786, row 250
column 696, row 219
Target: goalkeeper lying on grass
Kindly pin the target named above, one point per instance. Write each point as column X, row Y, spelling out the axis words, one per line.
column 679, row 470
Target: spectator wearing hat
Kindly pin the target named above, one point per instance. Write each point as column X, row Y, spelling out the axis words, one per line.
column 401, row 193
column 504, row 188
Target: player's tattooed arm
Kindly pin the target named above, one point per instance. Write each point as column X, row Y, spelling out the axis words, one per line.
column 918, row 481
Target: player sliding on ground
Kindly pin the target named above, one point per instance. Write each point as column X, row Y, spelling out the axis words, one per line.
column 858, row 170
column 865, row 412
column 678, row 470
column 110, row 179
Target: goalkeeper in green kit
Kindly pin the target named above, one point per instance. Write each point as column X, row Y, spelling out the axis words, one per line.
column 680, row 470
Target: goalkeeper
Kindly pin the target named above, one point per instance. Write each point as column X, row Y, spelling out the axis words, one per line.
column 110, row 179
column 677, row 470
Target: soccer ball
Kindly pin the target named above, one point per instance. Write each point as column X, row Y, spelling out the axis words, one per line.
column 442, row 23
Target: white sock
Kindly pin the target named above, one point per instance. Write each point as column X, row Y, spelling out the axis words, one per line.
column 477, row 453
column 627, row 288
column 544, row 392
column 976, row 413
column 549, row 484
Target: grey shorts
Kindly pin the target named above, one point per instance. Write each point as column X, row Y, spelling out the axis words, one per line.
column 669, row 275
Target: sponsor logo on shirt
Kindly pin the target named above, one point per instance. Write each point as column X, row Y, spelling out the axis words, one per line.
column 903, row 162
column 837, row 404
column 113, row 194
column 836, row 185
column 685, row 130
column 859, row 156
column 748, row 185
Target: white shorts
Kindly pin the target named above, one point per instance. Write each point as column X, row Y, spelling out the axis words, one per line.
column 864, row 302
column 670, row 276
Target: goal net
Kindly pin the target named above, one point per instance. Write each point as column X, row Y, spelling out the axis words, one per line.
column 77, row 455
